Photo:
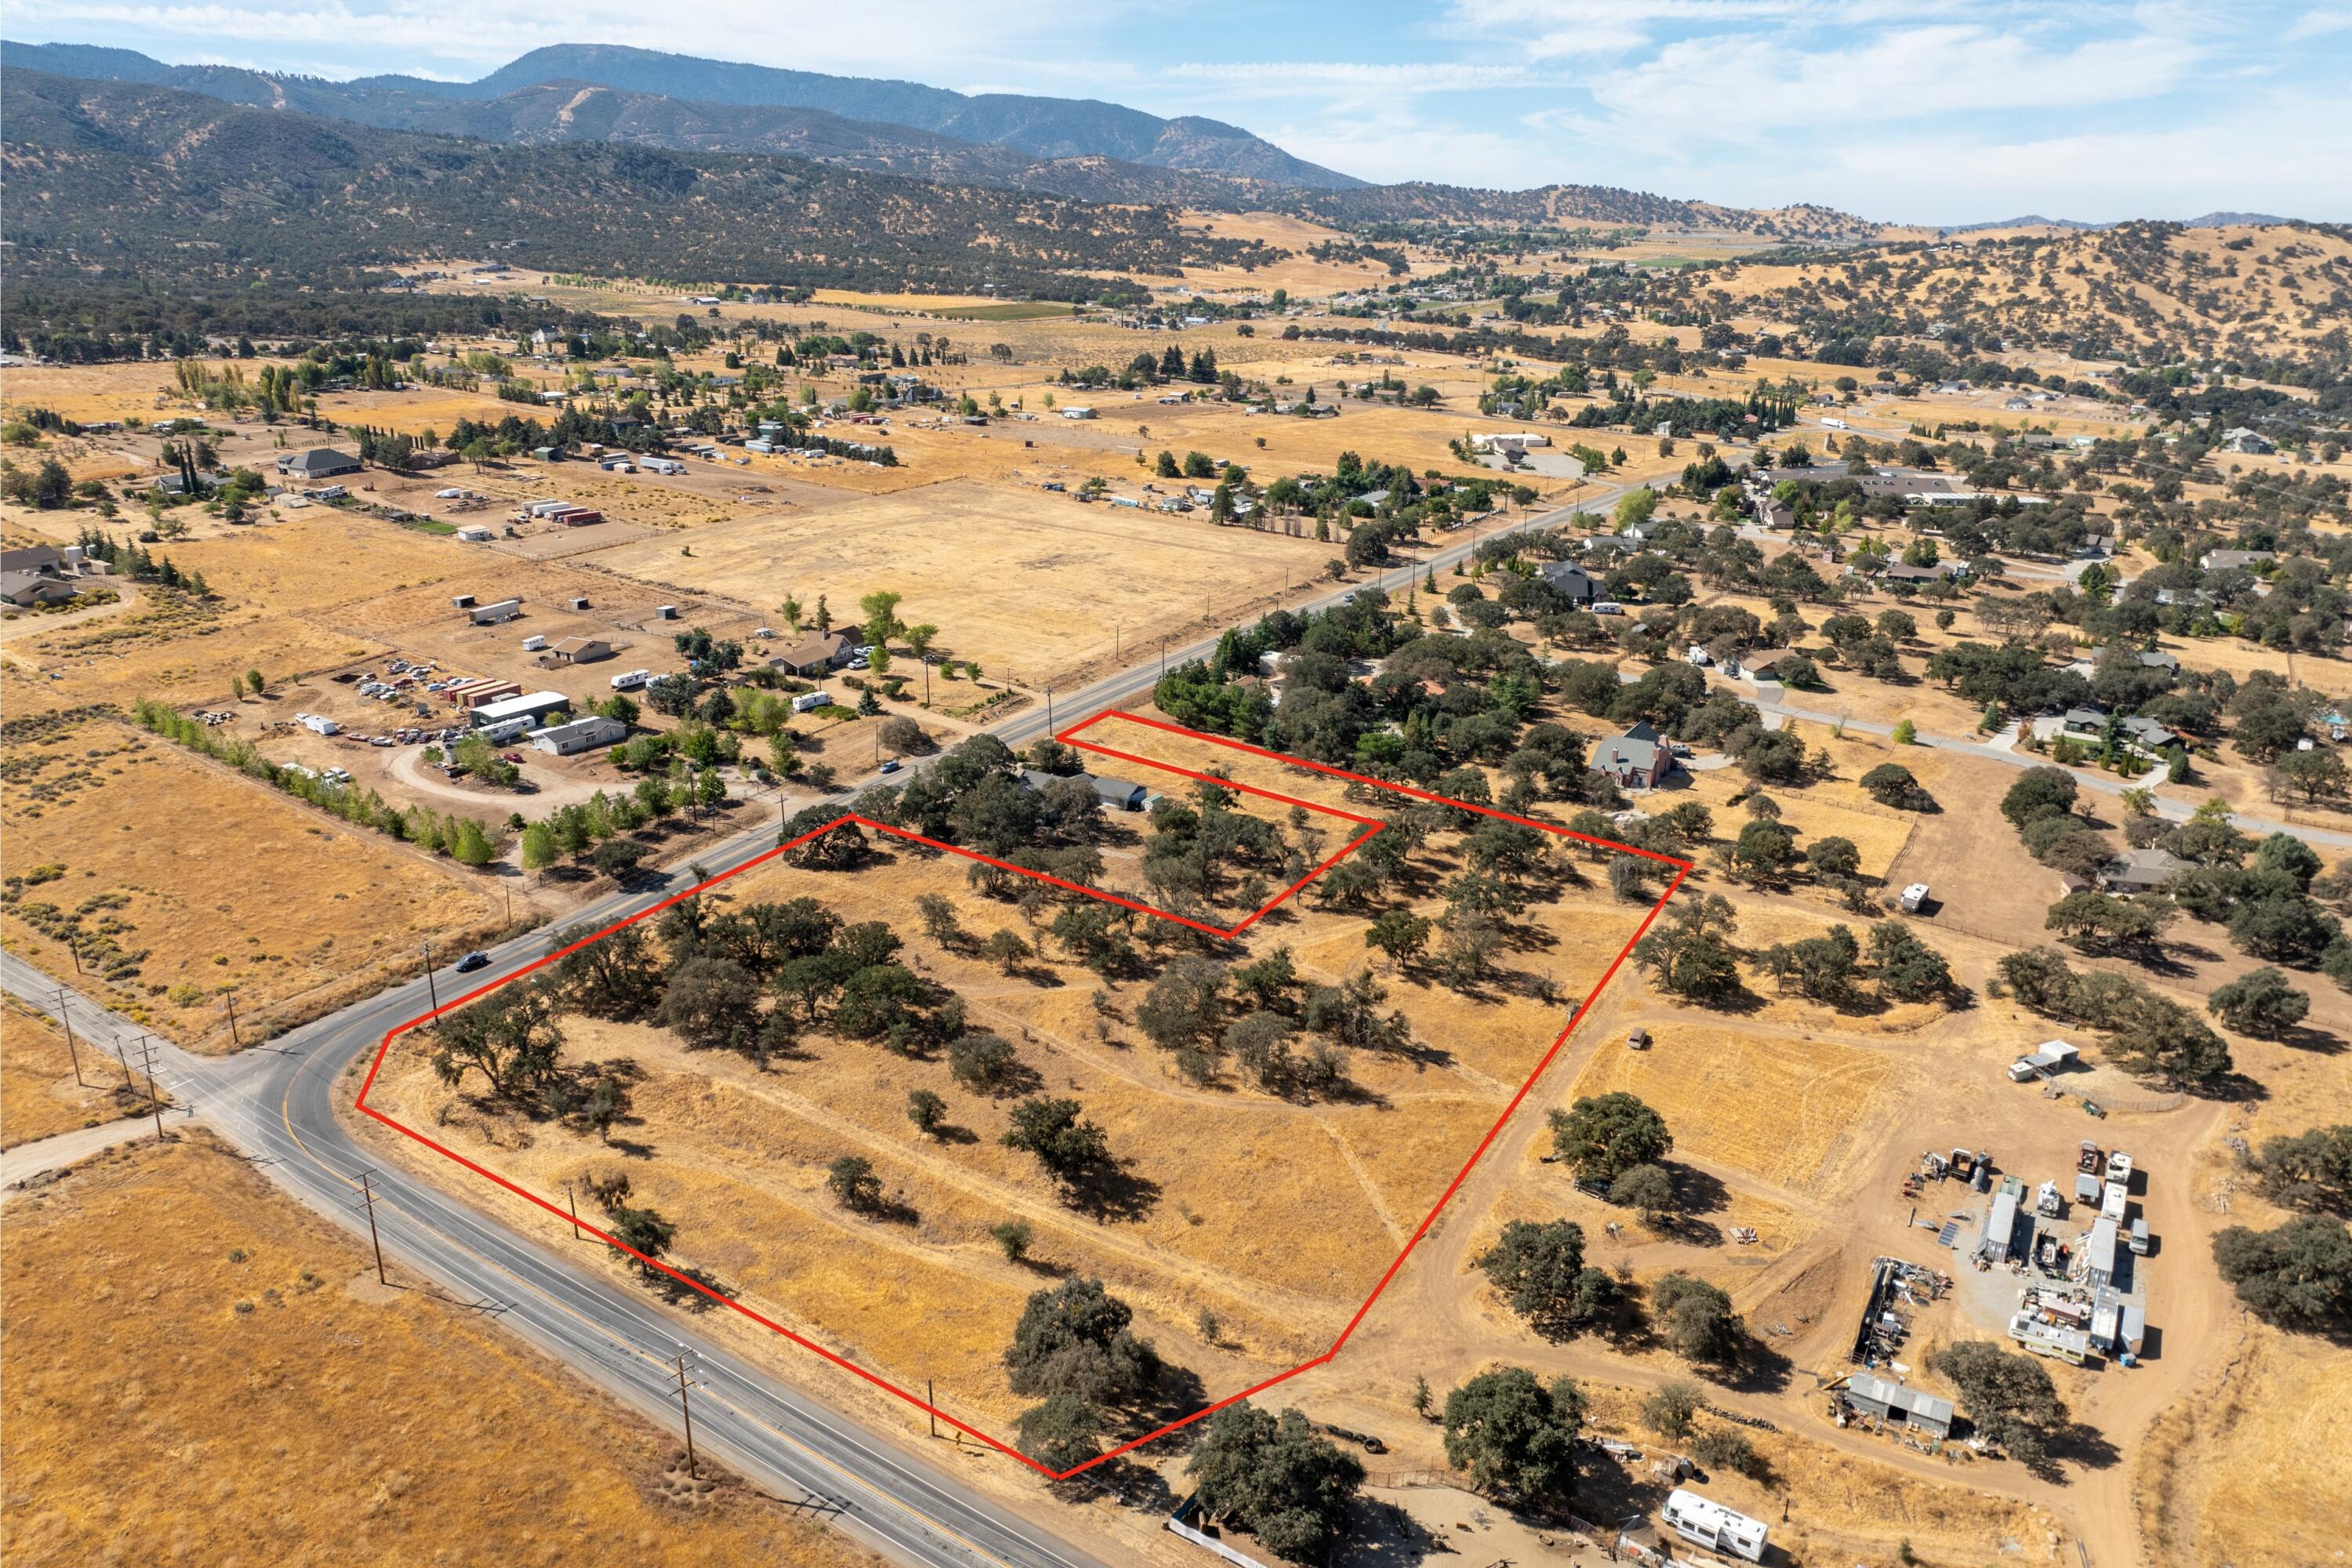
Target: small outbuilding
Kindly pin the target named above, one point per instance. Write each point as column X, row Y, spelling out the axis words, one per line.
column 1895, row 1401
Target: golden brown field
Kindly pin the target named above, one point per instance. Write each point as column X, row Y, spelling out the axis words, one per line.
column 138, row 830
column 286, row 1408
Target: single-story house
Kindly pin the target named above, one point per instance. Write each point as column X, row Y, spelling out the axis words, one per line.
column 2241, row 439
column 2150, row 660
column 2141, row 870
column 816, row 654
column 317, row 463
column 1117, row 794
column 25, row 589
column 1637, row 759
column 1895, row 1401
column 2230, row 559
column 577, row 650
column 1572, row 582
column 580, row 735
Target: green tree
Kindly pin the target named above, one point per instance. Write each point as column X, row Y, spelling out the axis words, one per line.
column 1053, row 1131
column 1289, row 1485
column 1076, row 1338
column 1061, row 1434
column 1697, row 1318
column 2259, row 1001
column 927, row 1111
column 2008, row 1398
column 853, row 1183
column 1673, row 1411
column 1649, row 1189
column 1513, row 1436
column 1011, row 1236
column 1601, row 1137
column 1539, row 1267
column 2298, row 1275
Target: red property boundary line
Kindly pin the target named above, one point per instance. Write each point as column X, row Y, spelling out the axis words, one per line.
column 1682, row 869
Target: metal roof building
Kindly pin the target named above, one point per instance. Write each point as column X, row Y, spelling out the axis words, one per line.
column 1898, row 1401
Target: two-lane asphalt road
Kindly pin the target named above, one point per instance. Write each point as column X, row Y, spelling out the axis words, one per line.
column 277, row 1103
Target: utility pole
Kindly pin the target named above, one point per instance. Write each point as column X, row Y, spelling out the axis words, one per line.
column 122, row 1063
column 66, row 1019
column 230, row 997
column 687, row 1410
column 931, row 1405
column 432, row 993
column 1049, row 711
column 572, row 1199
column 154, row 1100
column 367, row 1195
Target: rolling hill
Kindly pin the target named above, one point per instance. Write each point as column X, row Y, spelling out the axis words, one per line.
column 151, row 182
column 1046, row 128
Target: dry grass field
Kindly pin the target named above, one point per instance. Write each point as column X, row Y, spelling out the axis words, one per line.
column 1026, row 584
column 1333, row 1182
column 221, row 882
column 38, row 1095
column 1788, row 1110
column 280, row 1406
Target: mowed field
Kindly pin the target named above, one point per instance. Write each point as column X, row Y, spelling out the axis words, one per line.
column 1026, row 584
column 1787, row 1109
column 1275, row 1215
column 220, row 881
column 199, row 1370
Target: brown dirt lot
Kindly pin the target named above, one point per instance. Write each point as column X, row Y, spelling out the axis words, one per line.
column 313, row 908
column 200, row 1371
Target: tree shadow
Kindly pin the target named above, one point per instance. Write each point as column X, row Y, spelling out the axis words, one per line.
column 2302, row 1037
column 1759, row 1369
column 1108, row 1193
column 680, row 1294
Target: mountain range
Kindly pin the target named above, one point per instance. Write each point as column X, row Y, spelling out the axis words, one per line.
column 722, row 106
column 1077, row 149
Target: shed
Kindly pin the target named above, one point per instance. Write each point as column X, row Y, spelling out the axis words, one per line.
column 1120, row 793
column 2131, row 1333
column 492, row 614
column 2101, row 1251
column 536, row 705
column 2000, row 1229
column 1898, row 1401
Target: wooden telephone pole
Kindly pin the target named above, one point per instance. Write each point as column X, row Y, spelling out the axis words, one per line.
column 71, row 1049
column 367, row 1195
column 686, row 1409
column 154, row 1100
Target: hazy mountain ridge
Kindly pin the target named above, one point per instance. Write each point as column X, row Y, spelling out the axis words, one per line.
column 1046, row 128
column 147, row 180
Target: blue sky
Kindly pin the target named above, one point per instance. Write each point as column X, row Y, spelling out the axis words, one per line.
column 1906, row 111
